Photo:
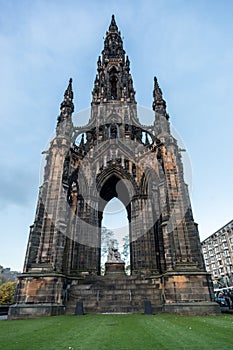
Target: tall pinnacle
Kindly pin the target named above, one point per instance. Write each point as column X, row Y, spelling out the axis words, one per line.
column 67, row 106
column 113, row 27
column 159, row 104
column 68, row 98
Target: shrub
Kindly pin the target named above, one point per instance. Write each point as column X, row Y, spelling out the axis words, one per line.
column 7, row 291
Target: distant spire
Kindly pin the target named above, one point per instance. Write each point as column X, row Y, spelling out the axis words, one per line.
column 159, row 103
column 113, row 27
column 68, row 98
column 67, row 106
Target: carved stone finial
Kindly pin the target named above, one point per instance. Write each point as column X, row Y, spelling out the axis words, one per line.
column 67, row 106
column 113, row 27
column 68, row 97
column 159, row 102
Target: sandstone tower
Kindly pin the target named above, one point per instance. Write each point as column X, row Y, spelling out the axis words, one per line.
column 141, row 165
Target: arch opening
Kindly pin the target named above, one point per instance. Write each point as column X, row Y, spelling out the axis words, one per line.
column 115, row 230
column 115, row 218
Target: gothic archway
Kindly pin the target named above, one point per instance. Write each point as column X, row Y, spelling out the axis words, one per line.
column 115, row 233
column 113, row 183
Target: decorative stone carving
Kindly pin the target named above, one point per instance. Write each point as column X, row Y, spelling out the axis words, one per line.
column 113, row 254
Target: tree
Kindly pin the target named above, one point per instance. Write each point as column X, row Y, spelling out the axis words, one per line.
column 7, row 291
column 1, row 277
column 125, row 251
column 1, row 280
column 126, row 254
column 106, row 237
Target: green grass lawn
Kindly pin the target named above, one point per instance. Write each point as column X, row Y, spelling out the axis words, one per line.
column 120, row 332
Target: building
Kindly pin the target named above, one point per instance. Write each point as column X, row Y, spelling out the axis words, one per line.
column 114, row 155
column 218, row 255
column 6, row 274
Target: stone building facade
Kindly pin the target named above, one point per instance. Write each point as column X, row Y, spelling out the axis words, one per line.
column 141, row 165
column 6, row 274
column 218, row 255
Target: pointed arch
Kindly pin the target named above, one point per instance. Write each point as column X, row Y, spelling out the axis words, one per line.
column 114, row 182
column 113, row 79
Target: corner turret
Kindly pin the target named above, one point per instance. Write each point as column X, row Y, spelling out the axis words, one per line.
column 67, row 106
column 161, row 124
column 64, row 121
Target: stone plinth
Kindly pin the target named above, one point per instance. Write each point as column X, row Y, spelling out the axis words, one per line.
column 116, row 267
column 193, row 308
column 20, row 311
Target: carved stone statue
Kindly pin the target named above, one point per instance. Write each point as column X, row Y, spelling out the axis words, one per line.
column 113, row 254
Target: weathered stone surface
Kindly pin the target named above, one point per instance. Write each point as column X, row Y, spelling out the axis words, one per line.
column 114, row 268
column 141, row 166
column 19, row 311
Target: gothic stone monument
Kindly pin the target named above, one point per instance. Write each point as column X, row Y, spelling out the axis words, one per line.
column 116, row 156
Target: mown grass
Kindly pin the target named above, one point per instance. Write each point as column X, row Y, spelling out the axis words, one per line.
column 118, row 332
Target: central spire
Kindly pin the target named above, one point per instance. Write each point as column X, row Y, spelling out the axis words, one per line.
column 113, row 45
column 113, row 27
column 113, row 80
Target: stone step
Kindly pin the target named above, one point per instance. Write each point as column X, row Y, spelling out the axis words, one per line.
column 113, row 308
column 108, row 295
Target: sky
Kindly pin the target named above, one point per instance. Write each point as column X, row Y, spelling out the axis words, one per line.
column 186, row 44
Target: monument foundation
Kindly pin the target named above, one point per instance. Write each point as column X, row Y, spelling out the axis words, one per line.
column 114, row 268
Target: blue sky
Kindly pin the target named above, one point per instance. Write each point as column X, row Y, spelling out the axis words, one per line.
column 186, row 44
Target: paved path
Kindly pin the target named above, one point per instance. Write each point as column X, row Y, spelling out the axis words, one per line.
column 3, row 317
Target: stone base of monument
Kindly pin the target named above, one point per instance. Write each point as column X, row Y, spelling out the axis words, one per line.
column 193, row 308
column 115, row 268
column 20, row 311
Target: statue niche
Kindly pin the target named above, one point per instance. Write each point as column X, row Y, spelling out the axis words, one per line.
column 113, row 83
